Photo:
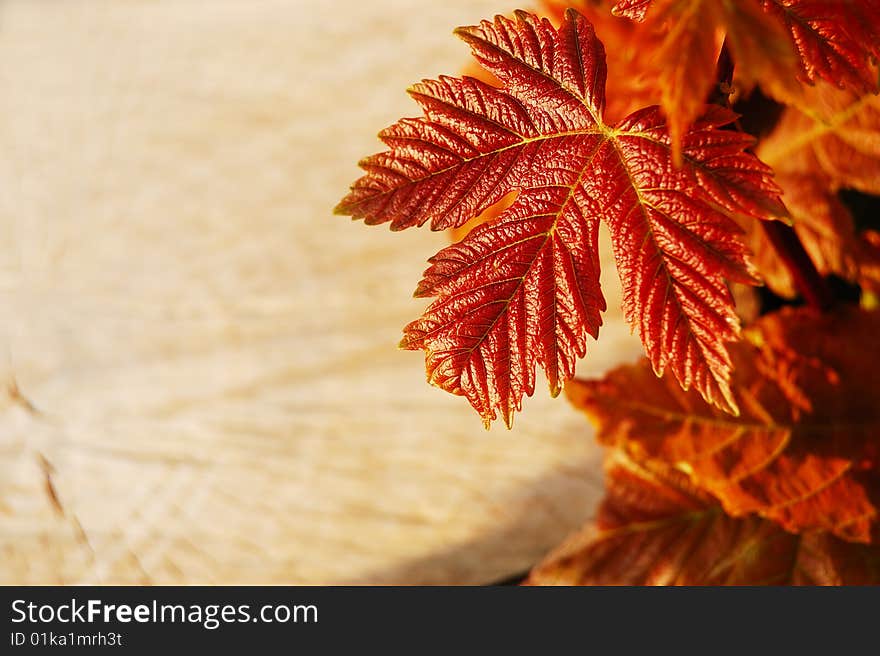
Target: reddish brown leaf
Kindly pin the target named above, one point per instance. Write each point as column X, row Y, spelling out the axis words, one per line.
column 828, row 140
column 835, row 39
column 524, row 290
column 630, row 88
column 762, row 53
column 655, row 528
column 772, row 42
column 683, row 41
column 805, row 452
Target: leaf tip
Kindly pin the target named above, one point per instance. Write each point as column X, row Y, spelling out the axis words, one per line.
column 784, row 216
column 466, row 32
column 508, row 420
column 727, row 403
column 572, row 14
column 732, row 408
column 422, row 290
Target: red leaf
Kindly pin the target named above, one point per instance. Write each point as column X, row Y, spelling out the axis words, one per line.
column 835, row 39
column 524, row 289
column 655, row 528
column 804, row 453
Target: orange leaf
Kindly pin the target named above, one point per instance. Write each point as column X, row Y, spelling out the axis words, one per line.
column 829, row 140
column 804, row 452
column 830, row 132
column 773, row 42
column 681, row 40
column 825, row 227
column 655, row 528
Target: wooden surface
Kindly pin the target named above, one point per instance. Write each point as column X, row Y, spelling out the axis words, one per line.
column 201, row 376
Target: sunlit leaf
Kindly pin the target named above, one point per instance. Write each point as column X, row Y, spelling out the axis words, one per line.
column 523, row 290
column 655, row 528
column 804, row 453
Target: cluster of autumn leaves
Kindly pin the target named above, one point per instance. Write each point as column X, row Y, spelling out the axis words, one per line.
column 736, row 456
column 788, row 492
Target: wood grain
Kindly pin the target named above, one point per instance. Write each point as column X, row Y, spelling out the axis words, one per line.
column 202, row 383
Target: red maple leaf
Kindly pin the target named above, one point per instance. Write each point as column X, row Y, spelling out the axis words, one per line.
column 524, row 289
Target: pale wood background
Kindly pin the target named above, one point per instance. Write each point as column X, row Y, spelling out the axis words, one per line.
column 200, row 364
